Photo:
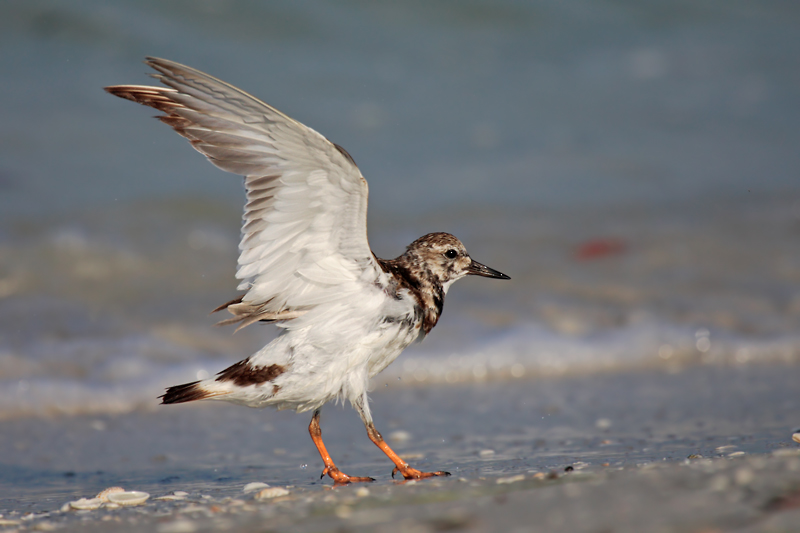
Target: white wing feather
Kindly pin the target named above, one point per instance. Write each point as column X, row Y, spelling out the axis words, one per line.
column 304, row 234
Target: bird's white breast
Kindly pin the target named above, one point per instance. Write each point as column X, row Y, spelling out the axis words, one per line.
column 332, row 351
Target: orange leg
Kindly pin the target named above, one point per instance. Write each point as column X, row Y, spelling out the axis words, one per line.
column 400, row 465
column 339, row 477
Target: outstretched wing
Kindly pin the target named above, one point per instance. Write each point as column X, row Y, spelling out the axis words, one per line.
column 304, row 235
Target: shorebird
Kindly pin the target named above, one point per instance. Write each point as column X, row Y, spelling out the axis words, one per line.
column 305, row 263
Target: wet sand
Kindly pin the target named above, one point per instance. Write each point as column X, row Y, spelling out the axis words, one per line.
column 704, row 447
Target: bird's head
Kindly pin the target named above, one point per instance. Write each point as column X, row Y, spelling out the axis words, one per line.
column 444, row 258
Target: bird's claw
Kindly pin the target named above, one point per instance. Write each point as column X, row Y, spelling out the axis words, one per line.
column 340, row 478
column 413, row 473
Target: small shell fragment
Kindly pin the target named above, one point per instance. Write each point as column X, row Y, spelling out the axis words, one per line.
column 173, row 497
column 796, row 437
column 271, row 492
column 110, row 490
column 85, row 504
column 510, row 479
column 133, row 497
column 254, row 486
column 176, row 495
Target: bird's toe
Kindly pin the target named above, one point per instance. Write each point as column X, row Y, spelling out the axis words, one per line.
column 340, row 478
column 413, row 473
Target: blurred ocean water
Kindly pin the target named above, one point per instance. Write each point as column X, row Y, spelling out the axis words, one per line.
column 633, row 166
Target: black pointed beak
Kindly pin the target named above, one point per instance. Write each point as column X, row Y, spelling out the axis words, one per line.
column 478, row 269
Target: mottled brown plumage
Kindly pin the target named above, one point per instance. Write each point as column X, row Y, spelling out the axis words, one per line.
column 244, row 374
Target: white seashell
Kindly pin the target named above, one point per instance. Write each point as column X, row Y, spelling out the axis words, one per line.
column 133, row 497
column 272, row 492
column 796, row 437
column 110, row 490
column 111, row 505
column 254, row 486
column 86, row 504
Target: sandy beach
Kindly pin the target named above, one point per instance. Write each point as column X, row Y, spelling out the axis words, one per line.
column 616, row 452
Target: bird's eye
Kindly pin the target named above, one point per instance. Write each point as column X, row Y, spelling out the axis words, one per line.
column 451, row 254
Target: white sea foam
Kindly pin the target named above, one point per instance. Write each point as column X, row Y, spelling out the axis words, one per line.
column 143, row 367
column 532, row 351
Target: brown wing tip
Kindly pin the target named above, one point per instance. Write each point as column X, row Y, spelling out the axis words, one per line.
column 345, row 153
column 123, row 91
column 155, row 97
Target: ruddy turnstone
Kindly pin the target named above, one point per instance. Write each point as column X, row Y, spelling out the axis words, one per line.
column 305, row 263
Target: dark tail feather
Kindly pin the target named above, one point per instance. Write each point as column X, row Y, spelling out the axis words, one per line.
column 187, row 392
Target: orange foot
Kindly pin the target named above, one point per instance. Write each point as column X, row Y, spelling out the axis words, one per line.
column 340, row 478
column 413, row 473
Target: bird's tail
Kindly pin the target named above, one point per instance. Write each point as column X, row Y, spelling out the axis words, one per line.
column 188, row 392
column 230, row 381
